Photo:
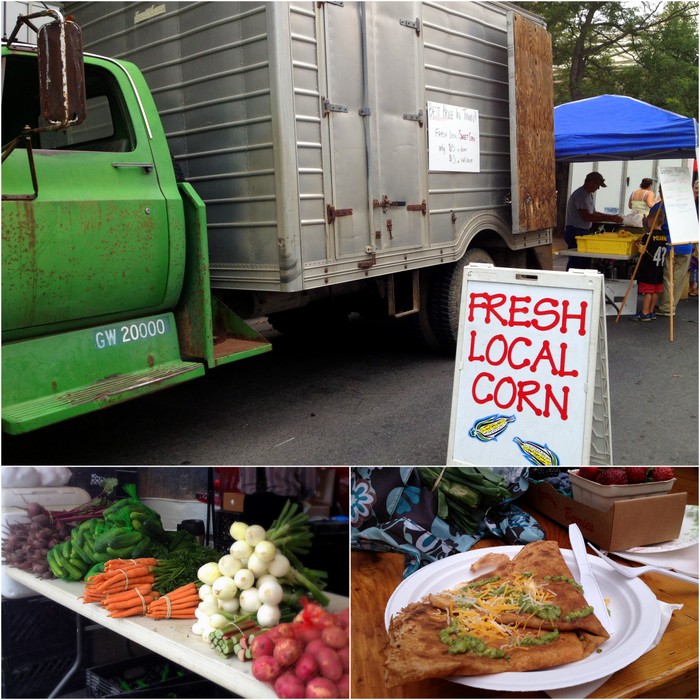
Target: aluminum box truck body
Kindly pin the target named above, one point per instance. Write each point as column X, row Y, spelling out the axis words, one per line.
column 349, row 156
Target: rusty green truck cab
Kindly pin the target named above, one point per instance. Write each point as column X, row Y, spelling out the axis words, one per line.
column 105, row 278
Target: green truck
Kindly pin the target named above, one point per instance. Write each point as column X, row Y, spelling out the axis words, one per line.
column 255, row 165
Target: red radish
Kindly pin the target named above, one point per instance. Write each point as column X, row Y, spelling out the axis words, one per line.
column 308, row 633
column 287, row 651
column 329, row 663
column 306, row 668
column 335, row 637
column 321, row 688
column 266, row 669
column 314, row 646
column 286, row 629
column 263, row 645
column 289, row 686
column 309, row 657
column 273, row 633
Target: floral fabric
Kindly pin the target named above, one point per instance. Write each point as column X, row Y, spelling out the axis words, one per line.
column 391, row 511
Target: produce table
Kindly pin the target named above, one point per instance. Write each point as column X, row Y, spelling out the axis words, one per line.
column 669, row 670
column 172, row 639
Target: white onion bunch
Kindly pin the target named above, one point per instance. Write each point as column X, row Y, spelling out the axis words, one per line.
column 246, row 581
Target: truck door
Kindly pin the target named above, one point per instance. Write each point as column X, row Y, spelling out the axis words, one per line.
column 376, row 172
column 399, row 169
column 343, row 100
column 95, row 243
column 533, row 193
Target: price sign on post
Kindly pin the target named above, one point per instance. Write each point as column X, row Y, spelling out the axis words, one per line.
column 531, row 373
column 679, row 204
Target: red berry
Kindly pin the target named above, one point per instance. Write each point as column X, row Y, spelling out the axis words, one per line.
column 612, row 476
column 661, row 473
column 589, row 472
column 636, row 475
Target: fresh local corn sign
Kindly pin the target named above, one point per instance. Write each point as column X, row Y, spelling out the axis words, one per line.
column 530, row 383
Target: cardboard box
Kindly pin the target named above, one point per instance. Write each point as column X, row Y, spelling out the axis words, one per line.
column 233, row 501
column 602, row 496
column 629, row 523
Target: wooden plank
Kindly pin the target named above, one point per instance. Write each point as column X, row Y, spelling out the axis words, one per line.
column 532, row 126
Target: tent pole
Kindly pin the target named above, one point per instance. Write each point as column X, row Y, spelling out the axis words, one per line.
column 672, row 313
column 629, row 286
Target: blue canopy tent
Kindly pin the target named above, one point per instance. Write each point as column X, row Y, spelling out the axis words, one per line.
column 615, row 127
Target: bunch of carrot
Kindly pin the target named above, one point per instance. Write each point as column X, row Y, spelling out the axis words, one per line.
column 178, row 604
column 126, row 589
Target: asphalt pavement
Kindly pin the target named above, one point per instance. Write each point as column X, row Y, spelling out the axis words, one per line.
column 653, row 383
column 368, row 397
column 654, row 388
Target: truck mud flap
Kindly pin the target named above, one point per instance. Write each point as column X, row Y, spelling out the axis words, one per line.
column 70, row 374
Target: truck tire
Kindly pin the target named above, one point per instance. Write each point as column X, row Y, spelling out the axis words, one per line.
column 443, row 308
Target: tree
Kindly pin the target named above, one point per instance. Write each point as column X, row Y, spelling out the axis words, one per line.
column 647, row 50
column 666, row 73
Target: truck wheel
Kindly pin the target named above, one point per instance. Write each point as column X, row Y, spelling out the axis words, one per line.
column 443, row 309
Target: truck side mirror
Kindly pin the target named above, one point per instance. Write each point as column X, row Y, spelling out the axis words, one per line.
column 61, row 74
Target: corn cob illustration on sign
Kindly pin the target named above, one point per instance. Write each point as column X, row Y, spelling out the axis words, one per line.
column 530, row 382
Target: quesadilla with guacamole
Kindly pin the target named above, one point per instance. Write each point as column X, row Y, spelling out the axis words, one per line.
column 521, row 614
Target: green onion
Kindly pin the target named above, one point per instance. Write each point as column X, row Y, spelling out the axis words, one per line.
column 464, row 493
column 291, row 534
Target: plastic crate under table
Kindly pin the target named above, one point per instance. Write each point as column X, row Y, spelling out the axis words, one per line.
column 136, row 673
column 34, row 674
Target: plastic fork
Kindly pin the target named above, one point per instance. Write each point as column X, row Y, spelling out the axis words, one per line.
column 634, row 571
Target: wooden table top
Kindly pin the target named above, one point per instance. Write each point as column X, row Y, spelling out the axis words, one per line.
column 667, row 671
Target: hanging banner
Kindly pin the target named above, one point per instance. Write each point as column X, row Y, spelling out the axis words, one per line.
column 679, row 204
column 453, row 138
column 530, row 382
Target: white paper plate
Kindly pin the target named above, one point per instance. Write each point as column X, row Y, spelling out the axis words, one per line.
column 687, row 537
column 634, row 611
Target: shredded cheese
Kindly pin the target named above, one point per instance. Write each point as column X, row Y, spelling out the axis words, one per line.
column 475, row 610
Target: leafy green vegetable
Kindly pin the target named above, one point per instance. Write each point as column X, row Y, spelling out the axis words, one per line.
column 181, row 565
column 291, row 534
column 464, row 493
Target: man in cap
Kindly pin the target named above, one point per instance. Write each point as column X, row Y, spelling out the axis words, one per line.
column 581, row 214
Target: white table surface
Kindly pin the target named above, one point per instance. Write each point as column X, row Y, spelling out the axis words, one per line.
column 172, row 639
